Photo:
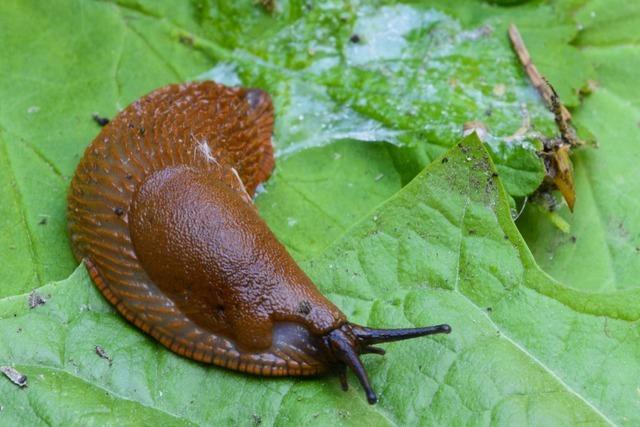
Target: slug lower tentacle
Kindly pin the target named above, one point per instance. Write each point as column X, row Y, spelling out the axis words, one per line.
column 350, row 340
column 161, row 212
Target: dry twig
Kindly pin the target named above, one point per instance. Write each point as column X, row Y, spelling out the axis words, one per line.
column 556, row 150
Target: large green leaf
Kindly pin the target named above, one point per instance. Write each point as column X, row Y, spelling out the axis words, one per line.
column 601, row 253
column 523, row 350
column 407, row 74
column 413, row 84
column 45, row 125
column 445, row 248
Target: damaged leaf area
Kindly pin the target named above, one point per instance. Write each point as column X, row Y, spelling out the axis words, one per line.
column 523, row 349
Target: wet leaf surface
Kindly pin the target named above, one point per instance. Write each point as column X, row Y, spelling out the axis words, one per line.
column 410, row 85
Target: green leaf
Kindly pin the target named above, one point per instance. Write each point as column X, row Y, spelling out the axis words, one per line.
column 602, row 252
column 46, row 124
column 525, row 349
column 444, row 249
column 318, row 194
column 437, row 69
column 85, row 59
column 97, row 57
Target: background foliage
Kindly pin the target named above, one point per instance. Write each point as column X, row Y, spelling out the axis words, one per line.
column 356, row 122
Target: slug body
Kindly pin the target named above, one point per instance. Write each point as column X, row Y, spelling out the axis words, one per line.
column 160, row 211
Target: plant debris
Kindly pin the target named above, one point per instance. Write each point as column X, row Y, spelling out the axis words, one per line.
column 560, row 171
column 556, row 151
column 103, row 354
column 475, row 126
column 35, row 300
column 14, row 376
column 539, row 82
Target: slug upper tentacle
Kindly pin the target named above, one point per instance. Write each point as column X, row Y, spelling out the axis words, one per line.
column 160, row 211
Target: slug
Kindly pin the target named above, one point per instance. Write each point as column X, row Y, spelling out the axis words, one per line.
column 160, row 211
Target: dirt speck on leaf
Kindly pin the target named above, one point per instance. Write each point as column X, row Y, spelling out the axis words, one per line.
column 14, row 376
column 186, row 39
column 101, row 121
column 103, row 354
column 35, row 300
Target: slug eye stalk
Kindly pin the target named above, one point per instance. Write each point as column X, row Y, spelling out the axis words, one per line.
column 346, row 343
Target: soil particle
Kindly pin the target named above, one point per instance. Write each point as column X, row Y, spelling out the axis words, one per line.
column 101, row 121
column 35, row 300
column 14, row 376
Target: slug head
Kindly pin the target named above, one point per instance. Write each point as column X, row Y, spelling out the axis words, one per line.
column 345, row 344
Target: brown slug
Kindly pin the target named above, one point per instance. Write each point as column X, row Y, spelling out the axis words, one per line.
column 160, row 211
